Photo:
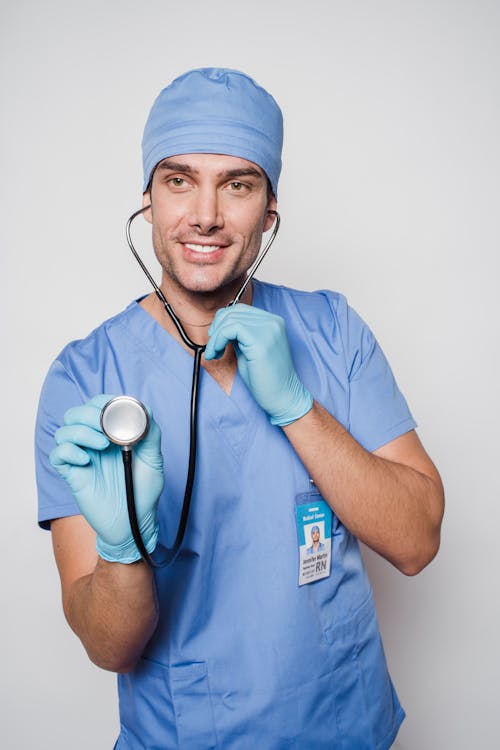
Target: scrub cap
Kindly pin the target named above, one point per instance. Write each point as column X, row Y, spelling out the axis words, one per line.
column 214, row 111
column 315, row 529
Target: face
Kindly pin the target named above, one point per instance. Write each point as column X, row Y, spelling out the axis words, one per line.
column 315, row 536
column 208, row 213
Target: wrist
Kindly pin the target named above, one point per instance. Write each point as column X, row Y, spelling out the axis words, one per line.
column 127, row 552
column 301, row 404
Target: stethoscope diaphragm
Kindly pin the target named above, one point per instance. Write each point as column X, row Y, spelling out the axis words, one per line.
column 124, row 421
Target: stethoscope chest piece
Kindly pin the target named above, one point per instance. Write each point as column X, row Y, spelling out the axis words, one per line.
column 124, row 421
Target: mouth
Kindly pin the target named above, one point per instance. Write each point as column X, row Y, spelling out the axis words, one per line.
column 204, row 249
column 203, row 252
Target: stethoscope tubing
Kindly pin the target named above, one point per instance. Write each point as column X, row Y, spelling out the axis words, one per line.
column 188, row 491
column 198, row 350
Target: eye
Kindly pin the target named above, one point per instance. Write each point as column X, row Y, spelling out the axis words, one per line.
column 236, row 186
column 177, row 181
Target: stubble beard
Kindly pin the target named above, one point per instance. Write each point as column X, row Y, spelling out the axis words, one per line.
column 198, row 284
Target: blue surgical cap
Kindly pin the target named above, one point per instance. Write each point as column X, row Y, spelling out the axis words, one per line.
column 214, row 111
column 315, row 529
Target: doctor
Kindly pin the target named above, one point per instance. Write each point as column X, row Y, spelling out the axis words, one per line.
column 298, row 409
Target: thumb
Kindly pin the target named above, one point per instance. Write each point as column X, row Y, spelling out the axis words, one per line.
column 149, row 448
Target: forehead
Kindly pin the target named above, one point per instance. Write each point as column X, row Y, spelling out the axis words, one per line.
column 218, row 165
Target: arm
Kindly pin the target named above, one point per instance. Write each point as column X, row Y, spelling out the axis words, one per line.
column 108, row 594
column 392, row 499
column 111, row 607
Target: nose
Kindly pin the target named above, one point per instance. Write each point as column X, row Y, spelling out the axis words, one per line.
column 206, row 211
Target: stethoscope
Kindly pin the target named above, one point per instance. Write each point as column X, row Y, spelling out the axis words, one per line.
column 125, row 420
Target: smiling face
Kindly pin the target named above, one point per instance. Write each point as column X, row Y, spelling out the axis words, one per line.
column 208, row 213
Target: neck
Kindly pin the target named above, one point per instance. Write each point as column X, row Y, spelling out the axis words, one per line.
column 195, row 310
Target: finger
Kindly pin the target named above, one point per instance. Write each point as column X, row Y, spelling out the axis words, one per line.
column 245, row 312
column 80, row 434
column 243, row 368
column 224, row 329
column 216, row 344
column 68, row 454
column 252, row 317
column 101, row 400
column 232, row 329
column 151, row 442
column 244, row 324
column 88, row 414
column 210, row 351
column 234, row 310
column 215, row 348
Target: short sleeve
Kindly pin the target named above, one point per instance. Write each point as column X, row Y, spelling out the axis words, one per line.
column 378, row 412
column 59, row 393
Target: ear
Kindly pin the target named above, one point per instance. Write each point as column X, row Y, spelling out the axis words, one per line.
column 146, row 201
column 272, row 205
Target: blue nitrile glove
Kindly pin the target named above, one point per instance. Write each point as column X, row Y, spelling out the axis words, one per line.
column 93, row 468
column 264, row 360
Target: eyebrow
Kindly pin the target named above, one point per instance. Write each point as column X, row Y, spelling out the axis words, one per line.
column 168, row 165
column 243, row 172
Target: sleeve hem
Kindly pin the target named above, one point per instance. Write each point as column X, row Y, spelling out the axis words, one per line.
column 396, row 431
column 47, row 515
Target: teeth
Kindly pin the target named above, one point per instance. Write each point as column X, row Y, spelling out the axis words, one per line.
column 202, row 248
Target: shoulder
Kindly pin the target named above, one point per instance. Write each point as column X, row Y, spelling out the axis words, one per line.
column 321, row 301
column 323, row 311
column 78, row 370
column 89, row 349
column 322, row 318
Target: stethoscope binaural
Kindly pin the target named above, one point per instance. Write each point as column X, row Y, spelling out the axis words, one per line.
column 125, row 421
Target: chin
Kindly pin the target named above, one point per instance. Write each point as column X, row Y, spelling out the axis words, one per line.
column 212, row 285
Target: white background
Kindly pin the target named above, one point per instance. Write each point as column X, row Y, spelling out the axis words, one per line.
column 390, row 194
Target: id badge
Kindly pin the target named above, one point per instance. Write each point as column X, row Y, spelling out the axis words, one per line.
column 314, row 529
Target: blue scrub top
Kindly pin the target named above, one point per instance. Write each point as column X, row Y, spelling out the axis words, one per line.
column 243, row 657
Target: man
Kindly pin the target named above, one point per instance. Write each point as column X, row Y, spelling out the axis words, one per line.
column 233, row 646
column 316, row 543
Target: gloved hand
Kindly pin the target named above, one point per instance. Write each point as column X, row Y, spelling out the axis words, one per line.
column 264, row 360
column 93, row 468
